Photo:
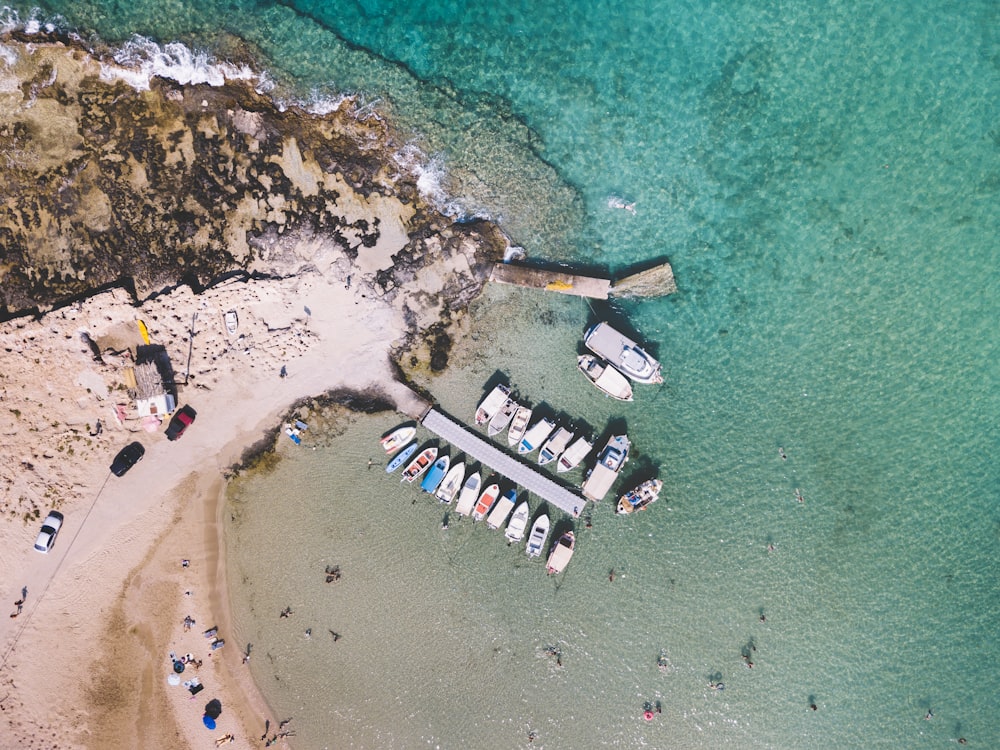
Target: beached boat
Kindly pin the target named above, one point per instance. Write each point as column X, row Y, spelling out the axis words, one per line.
column 561, row 553
column 623, row 353
column 401, row 458
column 467, row 497
column 611, row 460
column 518, row 425
column 640, row 497
column 518, row 523
column 420, row 464
column 605, row 377
column 554, row 446
column 435, row 475
column 501, row 509
column 486, row 500
column 539, row 533
column 573, row 455
column 492, row 403
column 451, row 483
column 502, row 418
column 398, row 438
column 232, row 322
column 536, row 435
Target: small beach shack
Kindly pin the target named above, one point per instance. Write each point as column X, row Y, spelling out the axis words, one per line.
column 154, row 396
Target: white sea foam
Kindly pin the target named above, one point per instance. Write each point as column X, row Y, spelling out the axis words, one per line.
column 10, row 20
column 141, row 59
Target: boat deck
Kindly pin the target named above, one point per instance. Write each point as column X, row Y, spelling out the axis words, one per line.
column 514, row 469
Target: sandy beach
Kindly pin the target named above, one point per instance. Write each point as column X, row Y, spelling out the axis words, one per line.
column 103, row 617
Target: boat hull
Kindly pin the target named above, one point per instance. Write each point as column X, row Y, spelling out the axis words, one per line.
column 401, row 458
column 518, row 425
column 536, row 539
column 419, row 465
column 435, row 475
column 492, row 403
column 485, row 502
column 562, row 553
column 623, row 353
column 640, row 497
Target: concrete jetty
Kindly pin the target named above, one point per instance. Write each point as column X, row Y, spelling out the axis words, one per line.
column 508, row 465
column 651, row 282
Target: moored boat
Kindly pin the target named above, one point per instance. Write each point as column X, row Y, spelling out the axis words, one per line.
column 420, row 464
column 501, row 509
column 623, row 354
column 492, row 403
column 401, row 458
column 518, row 523
column 486, row 500
column 451, row 483
column 640, row 497
column 554, row 446
column 573, row 455
column 562, row 552
column 539, row 533
column 469, row 493
column 605, row 377
column 611, row 460
column 536, row 435
column 398, row 438
column 502, row 418
column 518, row 424
column 435, row 475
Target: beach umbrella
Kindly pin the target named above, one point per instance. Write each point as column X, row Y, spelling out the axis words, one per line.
column 213, row 708
column 208, row 721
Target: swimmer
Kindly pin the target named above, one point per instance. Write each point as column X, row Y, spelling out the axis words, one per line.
column 798, row 495
column 781, row 452
column 929, row 715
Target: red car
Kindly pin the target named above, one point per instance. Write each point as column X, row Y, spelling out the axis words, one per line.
column 182, row 418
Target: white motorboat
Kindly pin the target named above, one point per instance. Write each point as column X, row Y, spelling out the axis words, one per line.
column 623, row 353
column 539, row 533
column 535, row 435
column 502, row 418
column 605, row 377
column 486, row 500
column 420, row 464
column 611, row 460
column 492, row 403
column 554, row 446
column 640, row 497
column 451, row 483
column 562, row 552
column 467, row 497
column 518, row 523
column 501, row 510
column 518, row 425
column 398, row 438
column 573, row 455
column 232, row 322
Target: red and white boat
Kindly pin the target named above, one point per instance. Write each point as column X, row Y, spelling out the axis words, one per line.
column 398, row 438
column 486, row 500
column 420, row 464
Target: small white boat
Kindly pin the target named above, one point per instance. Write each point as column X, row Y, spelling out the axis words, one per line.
column 436, row 474
column 640, row 497
column 486, row 500
column 536, row 435
column 501, row 509
column 573, row 455
column 401, row 458
column 554, row 446
column 539, row 533
column 397, row 439
column 232, row 322
column 420, row 464
column 561, row 553
column 610, row 461
column 518, row 425
column 623, row 354
column 518, row 523
column 502, row 418
column 468, row 495
column 605, row 377
column 492, row 403
column 451, row 483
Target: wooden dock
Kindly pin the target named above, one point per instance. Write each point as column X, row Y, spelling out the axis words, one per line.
column 652, row 282
column 506, row 464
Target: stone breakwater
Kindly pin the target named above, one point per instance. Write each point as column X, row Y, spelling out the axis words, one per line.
column 106, row 185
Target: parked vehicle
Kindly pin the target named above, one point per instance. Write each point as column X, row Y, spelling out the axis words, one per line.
column 50, row 528
column 181, row 420
column 127, row 457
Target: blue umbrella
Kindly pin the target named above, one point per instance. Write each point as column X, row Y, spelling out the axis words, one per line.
column 208, row 721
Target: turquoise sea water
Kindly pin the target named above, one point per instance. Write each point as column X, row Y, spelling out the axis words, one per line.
column 825, row 180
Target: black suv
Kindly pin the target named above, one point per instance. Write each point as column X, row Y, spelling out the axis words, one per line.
column 127, row 458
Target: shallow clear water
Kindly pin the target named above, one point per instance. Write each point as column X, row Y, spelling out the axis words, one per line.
column 826, row 183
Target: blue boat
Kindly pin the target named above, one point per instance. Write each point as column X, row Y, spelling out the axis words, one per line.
column 435, row 474
column 401, row 458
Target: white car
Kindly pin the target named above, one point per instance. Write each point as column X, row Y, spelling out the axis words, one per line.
column 47, row 536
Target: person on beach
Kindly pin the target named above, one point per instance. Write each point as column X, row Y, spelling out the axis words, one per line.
column 286, row 612
column 336, row 637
